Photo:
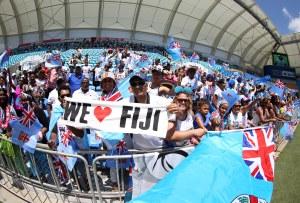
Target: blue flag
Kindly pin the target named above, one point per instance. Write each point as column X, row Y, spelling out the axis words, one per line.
column 54, row 60
column 4, row 57
column 195, row 57
column 144, row 61
column 211, row 62
column 228, row 166
column 124, row 85
column 264, row 79
column 57, row 112
column 277, row 90
column 231, row 96
column 69, row 148
column 288, row 129
column 25, row 130
column 173, row 48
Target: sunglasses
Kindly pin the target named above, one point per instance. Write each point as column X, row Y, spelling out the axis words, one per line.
column 64, row 95
column 183, row 100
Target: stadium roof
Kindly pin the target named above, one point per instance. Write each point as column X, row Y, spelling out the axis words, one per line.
column 237, row 31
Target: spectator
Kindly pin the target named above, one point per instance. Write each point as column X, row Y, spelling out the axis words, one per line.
column 84, row 91
column 75, row 79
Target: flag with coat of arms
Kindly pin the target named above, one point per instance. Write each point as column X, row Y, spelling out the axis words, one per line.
column 25, row 129
column 4, row 57
column 195, row 57
column 278, row 88
column 67, row 145
column 231, row 96
column 248, row 178
column 174, row 49
column 143, row 61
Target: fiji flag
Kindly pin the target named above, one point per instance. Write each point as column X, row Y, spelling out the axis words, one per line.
column 25, row 129
column 173, row 48
column 228, row 166
column 4, row 57
column 54, row 61
column 211, row 62
column 124, row 85
column 231, row 96
column 144, row 61
column 278, row 88
column 67, row 145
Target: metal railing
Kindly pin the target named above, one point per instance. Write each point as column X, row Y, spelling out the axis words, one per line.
column 39, row 177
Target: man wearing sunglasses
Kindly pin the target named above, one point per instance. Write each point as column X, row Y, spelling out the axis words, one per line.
column 139, row 90
column 74, row 136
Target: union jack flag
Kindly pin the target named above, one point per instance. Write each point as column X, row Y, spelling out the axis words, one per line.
column 28, row 117
column 114, row 96
column 258, row 152
column 66, row 137
column 279, row 84
column 60, row 169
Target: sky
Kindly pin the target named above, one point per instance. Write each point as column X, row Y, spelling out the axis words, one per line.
column 284, row 14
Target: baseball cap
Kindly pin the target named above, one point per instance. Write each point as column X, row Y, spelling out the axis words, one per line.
column 136, row 81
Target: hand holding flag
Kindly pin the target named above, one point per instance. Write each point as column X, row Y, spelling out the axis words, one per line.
column 173, row 48
column 4, row 57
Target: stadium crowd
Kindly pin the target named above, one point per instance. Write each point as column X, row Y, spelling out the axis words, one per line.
column 194, row 99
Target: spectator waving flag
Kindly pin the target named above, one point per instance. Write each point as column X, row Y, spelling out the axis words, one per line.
column 143, row 61
column 25, row 129
column 54, row 61
column 195, row 57
column 173, row 48
column 211, row 62
column 68, row 146
column 4, row 57
column 123, row 87
column 231, row 96
column 278, row 88
column 248, row 177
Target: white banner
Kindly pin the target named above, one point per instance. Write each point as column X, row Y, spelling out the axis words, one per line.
column 152, row 167
column 121, row 117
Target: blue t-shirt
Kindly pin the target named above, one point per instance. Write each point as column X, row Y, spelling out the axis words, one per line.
column 205, row 123
column 75, row 82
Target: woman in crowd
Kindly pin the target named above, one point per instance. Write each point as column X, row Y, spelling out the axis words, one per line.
column 109, row 90
column 7, row 112
column 181, row 129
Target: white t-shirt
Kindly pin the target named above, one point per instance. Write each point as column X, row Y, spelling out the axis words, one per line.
column 53, row 97
column 236, row 120
column 86, row 70
column 97, row 73
column 79, row 94
column 188, row 82
column 146, row 142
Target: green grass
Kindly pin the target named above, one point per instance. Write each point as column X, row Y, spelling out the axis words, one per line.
column 287, row 173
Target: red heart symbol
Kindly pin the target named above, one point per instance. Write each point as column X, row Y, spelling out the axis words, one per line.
column 101, row 113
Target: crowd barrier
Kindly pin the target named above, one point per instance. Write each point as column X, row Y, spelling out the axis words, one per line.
column 39, row 177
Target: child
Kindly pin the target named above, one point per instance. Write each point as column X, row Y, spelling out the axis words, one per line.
column 218, row 117
column 202, row 117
